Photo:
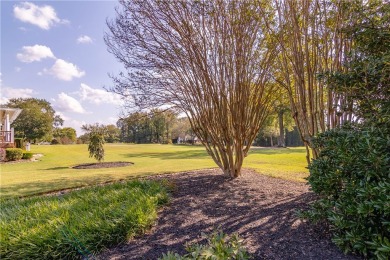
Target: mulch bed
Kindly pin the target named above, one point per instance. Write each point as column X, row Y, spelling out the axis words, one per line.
column 102, row 165
column 262, row 210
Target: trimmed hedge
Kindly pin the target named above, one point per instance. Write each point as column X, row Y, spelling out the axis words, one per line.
column 13, row 154
column 27, row 155
column 352, row 178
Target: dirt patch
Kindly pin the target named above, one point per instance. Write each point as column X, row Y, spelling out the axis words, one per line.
column 262, row 210
column 102, row 165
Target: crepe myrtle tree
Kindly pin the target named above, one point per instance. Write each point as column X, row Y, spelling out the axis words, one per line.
column 209, row 59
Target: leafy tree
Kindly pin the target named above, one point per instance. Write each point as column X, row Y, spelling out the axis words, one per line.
column 365, row 77
column 95, row 146
column 209, row 59
column 112, row 134
column 83, row 139
column 351, row 174
column 96, row 135
column 36, row 119
column 66, row 135
column 143, row 127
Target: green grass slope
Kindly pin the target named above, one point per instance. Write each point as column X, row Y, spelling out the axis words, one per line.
column 54, row 170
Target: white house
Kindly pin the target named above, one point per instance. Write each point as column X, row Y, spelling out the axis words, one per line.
column 7, row 116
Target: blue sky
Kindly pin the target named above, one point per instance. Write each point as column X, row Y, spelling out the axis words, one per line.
column 54, row 50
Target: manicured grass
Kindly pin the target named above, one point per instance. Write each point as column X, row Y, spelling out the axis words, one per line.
column 54, row 171
column 80, row 223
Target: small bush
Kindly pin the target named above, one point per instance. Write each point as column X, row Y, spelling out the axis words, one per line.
column 27, row 155
column 218, row 247
column 54, row 142
column 352, row 178
column 79, row 224
column 13, row 154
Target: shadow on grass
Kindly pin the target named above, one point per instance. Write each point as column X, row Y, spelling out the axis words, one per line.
column 272, row 151
column 198, row 154
column 202, row 154
column 37, row 188
column 57, row 168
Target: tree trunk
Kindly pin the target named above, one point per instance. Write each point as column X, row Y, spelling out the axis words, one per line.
column 281, row 139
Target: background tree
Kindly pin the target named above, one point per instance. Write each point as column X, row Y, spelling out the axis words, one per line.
column 112, row 134
column 147, row 127
column 310, row 41
column 210, row 59
column 36, row 120
column 66, row 135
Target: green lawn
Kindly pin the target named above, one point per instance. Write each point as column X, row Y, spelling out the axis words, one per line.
column 54, row 172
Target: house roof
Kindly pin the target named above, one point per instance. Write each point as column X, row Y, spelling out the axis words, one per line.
column 12, row 112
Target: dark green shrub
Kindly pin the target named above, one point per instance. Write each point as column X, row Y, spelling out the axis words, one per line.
column 19, row 143
column 352, row 178
column 27, row 155
column 54, row 141
column 218, row 247
column 13, row 154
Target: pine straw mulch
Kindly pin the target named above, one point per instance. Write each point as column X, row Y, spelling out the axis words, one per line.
column 262, row 210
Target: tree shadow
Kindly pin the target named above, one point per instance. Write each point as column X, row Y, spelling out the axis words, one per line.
column 260, row 209
column 57, row 168
column 272, row 151
column 38, row 187
column 198, row 154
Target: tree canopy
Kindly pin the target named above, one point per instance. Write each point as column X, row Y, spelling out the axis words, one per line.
column 36, row 120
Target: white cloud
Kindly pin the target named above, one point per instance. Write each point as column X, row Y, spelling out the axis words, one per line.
column 34, row 53
column 84, row 39
column 98, row 96
column 8, row 93
column 42, row 16
column 66, row 103
column 65, row 70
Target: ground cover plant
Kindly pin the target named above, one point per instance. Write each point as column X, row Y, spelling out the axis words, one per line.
column 54, row 170
column 79, row 224
column 218, row 246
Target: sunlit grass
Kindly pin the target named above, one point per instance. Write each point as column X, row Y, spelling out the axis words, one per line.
column 54, row 172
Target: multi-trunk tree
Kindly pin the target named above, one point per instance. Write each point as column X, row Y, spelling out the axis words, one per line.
column 311, row 42
column 210, row 59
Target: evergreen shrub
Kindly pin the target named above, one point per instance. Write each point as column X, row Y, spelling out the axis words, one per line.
column 13, row 154
column 352, row 178
column 27, row 155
